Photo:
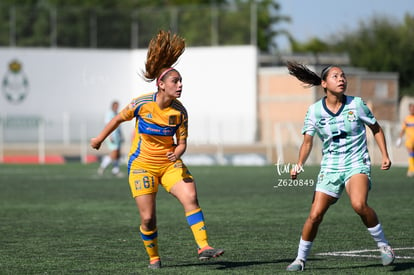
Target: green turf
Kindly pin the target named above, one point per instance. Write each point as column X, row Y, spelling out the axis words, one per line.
column 64, row 219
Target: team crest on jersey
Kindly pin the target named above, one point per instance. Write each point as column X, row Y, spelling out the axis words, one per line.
column 173, row 120
column 15, row 85
column 351, row 116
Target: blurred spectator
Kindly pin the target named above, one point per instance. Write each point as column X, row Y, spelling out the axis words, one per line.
column 114, row 143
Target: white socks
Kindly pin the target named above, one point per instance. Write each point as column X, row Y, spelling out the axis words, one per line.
column 105, row 161
column 376, row 232
column 304, row 249
column 378, row 235
column 115, row 170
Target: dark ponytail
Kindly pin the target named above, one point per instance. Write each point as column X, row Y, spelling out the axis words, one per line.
column 303, row 73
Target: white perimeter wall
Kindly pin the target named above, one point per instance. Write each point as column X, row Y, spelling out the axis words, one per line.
column 73, row 88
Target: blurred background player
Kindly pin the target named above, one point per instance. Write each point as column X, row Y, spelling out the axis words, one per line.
column 114, row 143
column 339, row 120
column 155, row 157
column 407, row 128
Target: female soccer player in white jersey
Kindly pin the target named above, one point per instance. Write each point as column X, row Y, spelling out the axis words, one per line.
column 155, row 156
column 339, row 120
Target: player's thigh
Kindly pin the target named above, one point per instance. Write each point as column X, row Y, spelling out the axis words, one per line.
column 175, row 173
column 409, row 144
column 147, row 211
column 320, row 204
column 357, row 188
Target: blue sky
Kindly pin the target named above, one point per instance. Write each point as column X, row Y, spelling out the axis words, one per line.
column 322, row 18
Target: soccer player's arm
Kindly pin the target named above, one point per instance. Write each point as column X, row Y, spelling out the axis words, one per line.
column 304, row 152
column 181, row 136
column 380, row 140
column 403, row 128
column 308, row 131
column 366, row 116
column 401, row 134
column 126, row 114
column 107, row 130
column 178, row 151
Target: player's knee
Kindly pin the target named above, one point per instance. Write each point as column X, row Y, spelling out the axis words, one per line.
column 360, row 207
column 315, row 218
column 148, row 222
column 192, row 196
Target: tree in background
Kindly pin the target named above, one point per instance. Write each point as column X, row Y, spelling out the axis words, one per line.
column 382, row 45
column 132, row 23
column 379, row 44
column 314, row 45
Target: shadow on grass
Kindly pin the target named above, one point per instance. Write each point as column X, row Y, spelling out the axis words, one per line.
column 402, row 266
column 233, row 264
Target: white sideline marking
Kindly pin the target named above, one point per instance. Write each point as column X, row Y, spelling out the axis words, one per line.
column 357, row 253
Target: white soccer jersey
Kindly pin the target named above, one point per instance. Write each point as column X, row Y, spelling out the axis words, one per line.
column 343, row 134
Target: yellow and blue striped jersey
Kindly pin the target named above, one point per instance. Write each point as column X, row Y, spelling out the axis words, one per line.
column 155, row 128
column 408, row 127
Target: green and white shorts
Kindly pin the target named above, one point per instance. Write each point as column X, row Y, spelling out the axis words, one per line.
column 333, row 183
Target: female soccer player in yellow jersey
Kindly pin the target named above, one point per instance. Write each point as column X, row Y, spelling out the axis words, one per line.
column 155, row 158
column 407, row 128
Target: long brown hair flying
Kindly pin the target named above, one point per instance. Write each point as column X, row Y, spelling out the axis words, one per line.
column 163, row 52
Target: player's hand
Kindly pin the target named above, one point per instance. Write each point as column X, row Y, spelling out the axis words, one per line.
column 295, row 171
column 171, row 156
column 95, row 143
column 386, row 164
column 398, row 142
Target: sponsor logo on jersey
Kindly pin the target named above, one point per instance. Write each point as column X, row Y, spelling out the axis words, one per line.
column 139, row 171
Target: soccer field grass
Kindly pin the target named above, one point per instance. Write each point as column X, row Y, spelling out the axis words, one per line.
column 64, row 219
